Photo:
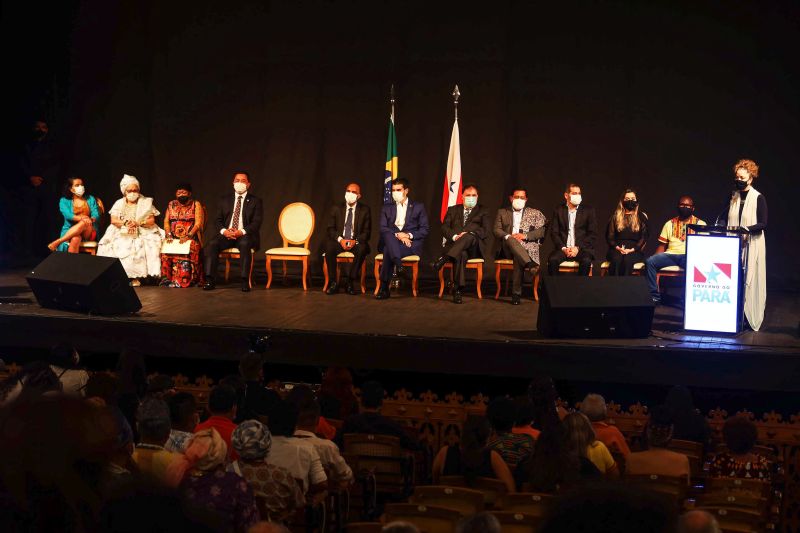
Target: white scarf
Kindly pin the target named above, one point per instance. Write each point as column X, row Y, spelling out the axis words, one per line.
column 755, row 287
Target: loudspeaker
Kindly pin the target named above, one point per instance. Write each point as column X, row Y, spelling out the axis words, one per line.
column 595, row 307
column 83, row 283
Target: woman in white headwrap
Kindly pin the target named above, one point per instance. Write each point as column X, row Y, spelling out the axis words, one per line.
column 133, row 236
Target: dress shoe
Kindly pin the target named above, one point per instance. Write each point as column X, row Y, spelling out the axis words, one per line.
column 245, row 285
column 383, row 294
column 351, row 289
column 515, row 299
column 439, row 263
column 404, row 273
column 457, row 296
column 210, row 285
column 333, row 288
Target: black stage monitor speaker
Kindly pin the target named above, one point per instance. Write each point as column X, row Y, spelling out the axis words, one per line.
column 595, row 307
column 83, row 283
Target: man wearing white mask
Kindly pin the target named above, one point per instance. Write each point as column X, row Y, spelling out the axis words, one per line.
column 236, row 225
column 349, row 228
column 574, row 231
column 467, row 232
column 404, row 226
column 520, row 231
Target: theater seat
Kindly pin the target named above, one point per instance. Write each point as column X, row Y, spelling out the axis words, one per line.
column 472, row 264
column 233, row 253
column 410, row 261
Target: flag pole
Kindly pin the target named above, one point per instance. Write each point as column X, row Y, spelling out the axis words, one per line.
column 456, row 94
column 391, row 99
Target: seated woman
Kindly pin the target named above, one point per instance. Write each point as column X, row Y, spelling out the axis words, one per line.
column 80, row 213
column 133, row 236
column 580, row 441
column 626, row 235
column 183, row 221
column 472, row 458
column 740, row 461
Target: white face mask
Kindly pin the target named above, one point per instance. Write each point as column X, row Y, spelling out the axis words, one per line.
column 132, row 196
column 398, row 196
column 350, row 197
column 518, row 203
column 78, row 190
column 240, row 187
column 575, row 199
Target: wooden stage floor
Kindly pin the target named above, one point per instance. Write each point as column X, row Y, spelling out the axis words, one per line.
column 423, row 334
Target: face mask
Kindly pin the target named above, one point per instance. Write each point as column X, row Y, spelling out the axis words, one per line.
column 518, row 203
column 79, row 190
column 240, row 187
column 630, row 205
column 575, row 199
column 740, row 184
column 350, row 197
column 398, row 196
column 470, row 201
column 685, row 212
column 132, row 196
column 183, row 199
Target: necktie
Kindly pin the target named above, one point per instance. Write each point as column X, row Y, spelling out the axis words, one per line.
column 466, row 215
column 236, row 212
column 348, row 224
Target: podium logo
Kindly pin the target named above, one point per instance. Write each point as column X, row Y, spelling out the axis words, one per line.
column 712, row 284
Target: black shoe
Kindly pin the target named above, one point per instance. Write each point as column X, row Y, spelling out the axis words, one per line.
column 245, row 285
column 383, row 294
column 210, row 285
column 404, row 273
column 515, row 299
column 333, row 288
column 457, row 296
column 351, row 289
column 439, row 263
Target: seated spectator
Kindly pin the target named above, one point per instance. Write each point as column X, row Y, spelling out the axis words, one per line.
column 336, row 397
column 204, row 481
column 121, row 466
column 296, row 456
column 64, row 359
column 689, row 424
column 594, row 407
column 222, row 407
column 281, row 494
column 658, row 459
column 484, row 522
column 544, row 397
column 698, row 522
column 581, row 441
column 257, row 400
column 132, row 375
column 160, row 386
column 514, row 448
column 183, row 419
column 34, row 380
column 523, row 421
column 307, row 422
column 152, row 419
column 472, row 458
column 371, row 420
column 102, row 388
column 740, row 461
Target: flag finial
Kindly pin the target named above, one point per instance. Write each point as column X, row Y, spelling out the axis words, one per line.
column 456, row 94
column 391, row 94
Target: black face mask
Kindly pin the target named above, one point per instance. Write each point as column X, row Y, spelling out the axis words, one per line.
column 740, row 184
column 630, row 205
column 685, row 212
column 183, row 199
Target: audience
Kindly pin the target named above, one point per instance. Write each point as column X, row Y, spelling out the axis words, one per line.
column 34, row 380
column 183, row 419
column 581, row 441
column 371, row 420
column 336, row 397
column 153, row 423
column 658, row 459
column 740, row 461
column 514, row 448
column 102, row 388
column 160, row 386
column 132, row 376
column 523, row 420
column 64, row 359
column 544, row 397
column 688, row 422
column 222, row 407
column 479, row 523
column 594, row 407
column 698, row 522
column 257, row 400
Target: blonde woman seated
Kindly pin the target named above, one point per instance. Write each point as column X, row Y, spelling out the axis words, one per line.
column 133, row 236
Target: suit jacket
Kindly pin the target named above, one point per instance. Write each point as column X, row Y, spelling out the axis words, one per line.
column 478, row 223
column 252, row 216
column 533, row 225
column 585, row 227
column 416, row 221
column 362, row 225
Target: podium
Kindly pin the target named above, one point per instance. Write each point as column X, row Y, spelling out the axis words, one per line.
column 714, row 270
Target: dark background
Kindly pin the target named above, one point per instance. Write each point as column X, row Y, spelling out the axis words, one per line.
column 663, row 97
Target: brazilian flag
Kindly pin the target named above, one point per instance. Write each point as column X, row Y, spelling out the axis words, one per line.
column 391, row 161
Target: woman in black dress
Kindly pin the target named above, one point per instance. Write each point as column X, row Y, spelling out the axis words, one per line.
column 626, row 235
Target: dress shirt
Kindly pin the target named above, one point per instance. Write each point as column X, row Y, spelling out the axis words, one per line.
column 346, row 207
column 400, row 219
column 328, row 454
column 571, row 214
column 516, row 218
column 298, row 457
column 241, row 222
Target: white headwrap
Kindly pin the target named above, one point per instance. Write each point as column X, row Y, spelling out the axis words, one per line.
column 127, row 180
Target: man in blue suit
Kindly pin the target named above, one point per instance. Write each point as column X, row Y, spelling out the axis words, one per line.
column 404, row 226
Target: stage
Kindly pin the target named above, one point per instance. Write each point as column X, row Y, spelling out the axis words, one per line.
column 423, row 334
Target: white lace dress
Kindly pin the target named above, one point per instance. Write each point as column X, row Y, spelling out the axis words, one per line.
column 140, row 253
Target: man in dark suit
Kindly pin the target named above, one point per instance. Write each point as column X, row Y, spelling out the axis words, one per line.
column 574, row 231
column 519, row 230
column 404, row 226
column 236, row 225
column 467, row 231
column 349, row 227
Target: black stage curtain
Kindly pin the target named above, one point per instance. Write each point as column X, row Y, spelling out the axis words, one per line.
column 663, row 97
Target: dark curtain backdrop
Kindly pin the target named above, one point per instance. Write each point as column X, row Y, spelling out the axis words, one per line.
column 660, row 97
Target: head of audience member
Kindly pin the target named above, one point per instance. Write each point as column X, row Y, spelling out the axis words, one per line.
column 398, row 526
column 308, row 410
column 474, row 436
column 549, row 468
column 39, row 129
column 241, row 182
column 626, row 215
column 740, row 435
column 578, row 434
column 153, row 421
column 251, row 367
column 470, row 195
column 609, row 507
column 573, row 196
column 183, row 193
column 697, row 521
column 501, row 413
column 160, row 386
column 518, row 198
column 283, row 419
column 484, row 522
column 130, row 188
column 74, row 187
column 659, row 428
column 745, row 170
column 594, row 407
column 372, row 396
column 102, row 388
column 64, row 355
column 131, row 372
column 222, row 402
column 543, row 395
column 32, row 381
column 685, row 207
column 400, row 190
column 352, row 193
column 183, row 413
column 525, row 413
column 205, row 452
column 337, row 383
column 252, row 440
column 680, row 405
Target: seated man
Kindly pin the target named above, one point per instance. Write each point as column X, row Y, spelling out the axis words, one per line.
column 671, row 250
column 574, row 231
column 404, row 226
column 349, row 228
column 153, row 425
column 370, row 419
column 658, row 459
column 466, row 230
column 236, row 225
column 222, row 407
column 519, row 230
column 514, row 448
column 184, row 418
column 256, row 400
column 594, row 407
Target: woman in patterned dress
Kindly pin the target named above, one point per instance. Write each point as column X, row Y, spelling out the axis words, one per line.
column 184, row 221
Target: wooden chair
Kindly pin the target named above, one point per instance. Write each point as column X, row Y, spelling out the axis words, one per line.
column 501, row 265
column 428, row 518
column 344, row 257
column 383, row 457
column 233, row 253
column 529, row 503
column 493, row 489
column 465, row 501
column 511, row 522
column 732, row 500
column 692, row 450
column 90, row 247
column 673, row 271
column 674, row 488
column 753, row 487
column 295, row 224
column 565, row 267
column 736, row 520
column 363, row 527
column 638, row 268
column 472, row 264
column 409, row 261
